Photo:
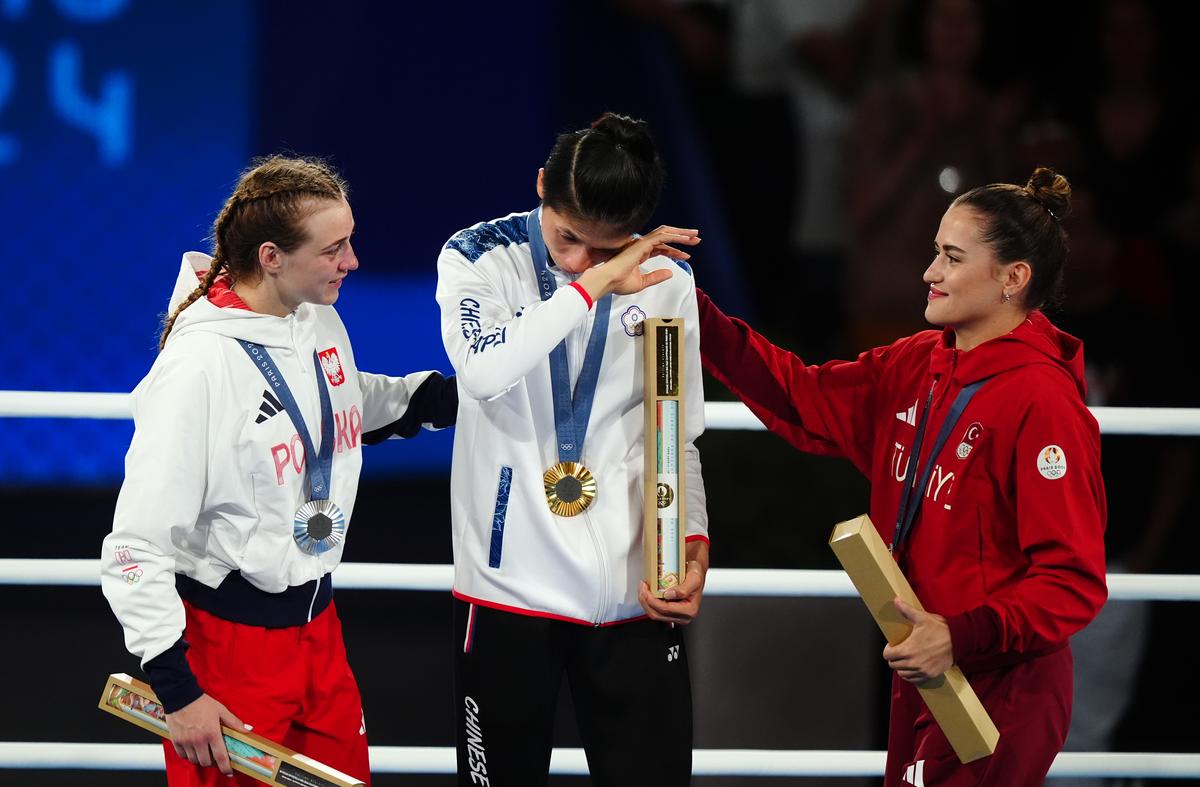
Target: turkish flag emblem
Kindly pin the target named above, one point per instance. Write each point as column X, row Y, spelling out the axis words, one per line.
column 332, row 366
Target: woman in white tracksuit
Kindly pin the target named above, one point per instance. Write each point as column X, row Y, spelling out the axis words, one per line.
column 241, row 479
column 541, row 319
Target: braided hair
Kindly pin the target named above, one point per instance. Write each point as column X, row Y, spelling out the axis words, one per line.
column 270, row 202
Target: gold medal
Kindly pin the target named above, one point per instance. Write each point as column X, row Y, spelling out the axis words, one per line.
column 570, row 488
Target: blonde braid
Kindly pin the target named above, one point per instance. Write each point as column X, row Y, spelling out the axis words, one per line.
column 218, row 265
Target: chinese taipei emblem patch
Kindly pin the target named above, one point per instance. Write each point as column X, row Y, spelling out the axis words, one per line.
column 1052, row 462
column 632, row 319
column 332, row 366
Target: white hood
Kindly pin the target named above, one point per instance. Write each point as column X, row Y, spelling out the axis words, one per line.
column 202, row 315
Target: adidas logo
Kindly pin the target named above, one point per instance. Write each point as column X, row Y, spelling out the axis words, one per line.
column 908, row 416
column 269, row 407
column 673, row 653
column 915, row 774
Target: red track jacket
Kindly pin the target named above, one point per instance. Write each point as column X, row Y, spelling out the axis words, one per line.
column 1009, row 542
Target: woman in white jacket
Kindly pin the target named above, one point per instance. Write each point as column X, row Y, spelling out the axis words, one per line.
column 541, row 316
column 241, row 478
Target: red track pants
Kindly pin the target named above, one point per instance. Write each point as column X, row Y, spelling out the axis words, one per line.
column 293, row 685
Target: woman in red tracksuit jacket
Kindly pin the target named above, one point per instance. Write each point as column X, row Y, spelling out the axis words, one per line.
column 1003, row 538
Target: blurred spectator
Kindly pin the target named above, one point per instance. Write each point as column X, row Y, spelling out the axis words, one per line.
column 1102, row 309
column 1181, row 462
column 1184, row 224
column 734, row 57
column 1122, row 281
column 770, row 80
column 835, row 48
column 1106, row 304
column 917, row 141
column 1128, row 123
column 1046, row 142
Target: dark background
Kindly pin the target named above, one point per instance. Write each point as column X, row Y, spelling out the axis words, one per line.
column 439, row 116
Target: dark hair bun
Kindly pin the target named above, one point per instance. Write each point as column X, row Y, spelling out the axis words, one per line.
column 608, row 172
column 628, row 133
column 1051, row 190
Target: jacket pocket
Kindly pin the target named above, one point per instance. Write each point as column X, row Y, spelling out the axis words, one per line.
column 499, row 515
column 982, row 526
column 248, row 538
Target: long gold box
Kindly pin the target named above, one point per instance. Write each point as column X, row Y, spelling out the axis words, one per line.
column 879, row 580
column 663, row 539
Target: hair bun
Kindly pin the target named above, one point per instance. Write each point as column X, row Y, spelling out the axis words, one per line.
column 1051, row 190
column 628, row 133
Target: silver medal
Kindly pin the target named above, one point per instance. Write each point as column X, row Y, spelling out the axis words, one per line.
column 319, row 526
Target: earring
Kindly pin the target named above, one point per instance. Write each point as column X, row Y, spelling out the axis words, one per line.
column 1005, row 297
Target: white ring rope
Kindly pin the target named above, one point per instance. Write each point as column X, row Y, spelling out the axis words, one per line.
column 717, row 415
column 1112, row 420
column 57, row 404
column 777, row 582
column 571, row 762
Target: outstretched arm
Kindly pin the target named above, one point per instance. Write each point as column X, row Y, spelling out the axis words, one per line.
column 401, row 406
column 823, row 409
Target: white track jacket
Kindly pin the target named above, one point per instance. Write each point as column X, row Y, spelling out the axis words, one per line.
column 510, row 551
column 216, row 471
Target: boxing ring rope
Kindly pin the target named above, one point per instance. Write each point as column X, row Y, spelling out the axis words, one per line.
column 1179, row 421
column 571, row 762
column 720, row 582
column 775, row 582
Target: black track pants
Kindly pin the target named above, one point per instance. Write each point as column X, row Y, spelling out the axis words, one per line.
column 629, row 684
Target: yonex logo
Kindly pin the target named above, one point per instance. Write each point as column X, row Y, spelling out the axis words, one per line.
column 269, row 407
column 673, row 653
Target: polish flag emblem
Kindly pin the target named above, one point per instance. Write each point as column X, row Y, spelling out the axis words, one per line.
column 332, row 366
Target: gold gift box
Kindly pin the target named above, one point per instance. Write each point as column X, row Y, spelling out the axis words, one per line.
column 879, row 580
column 663, row 518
